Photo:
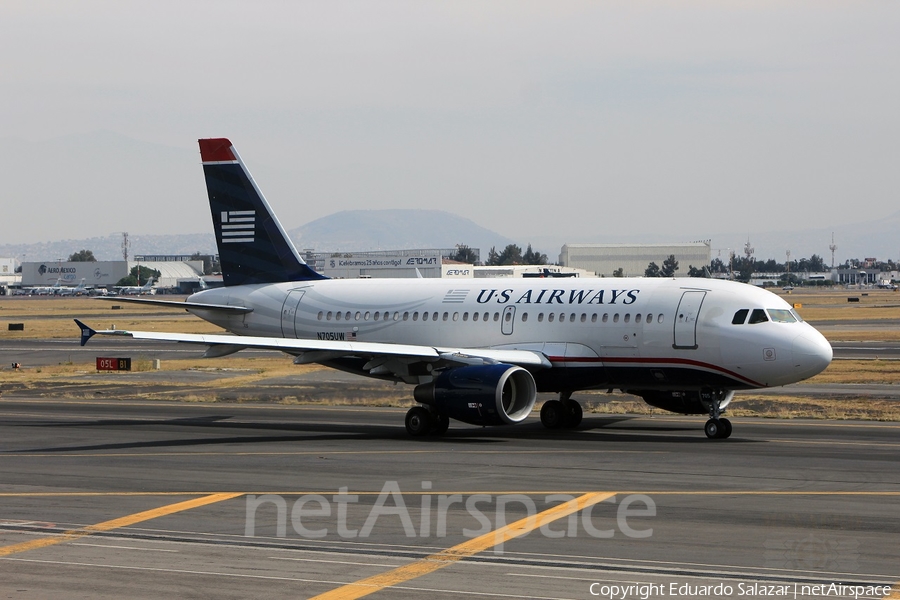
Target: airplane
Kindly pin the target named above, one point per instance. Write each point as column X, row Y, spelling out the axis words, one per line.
column 137, row 290
column 78, row 290
column 479, row 351
column 46, row 290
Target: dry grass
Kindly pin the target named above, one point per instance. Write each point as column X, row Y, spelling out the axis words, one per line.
column 860, row 371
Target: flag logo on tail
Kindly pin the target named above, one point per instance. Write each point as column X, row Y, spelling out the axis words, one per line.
column 238, row 226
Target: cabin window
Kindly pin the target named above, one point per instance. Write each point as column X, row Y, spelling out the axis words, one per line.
column 328, row 316
column 757, row 316
column 524, row 316
column 627, row 317
column 337, row 316
column 424, row 316
column 637, row 318
column 649, row 318
column 347, row 316
column 583, row 318
column 416, row 316
column 550, row 317
column 562, row 317
column 366, row 316
column 486, row 316
column 406, row 316
column 321, row 314
column 572, row 318
column 377, row 315
column 605, row 317
column 781, row 315
column 616, row 318
column 357, row 315
column 474, row 316
column 496, row 317
column 594, row 318
column 540, row 317
column 456, row 316
column 397, row 315
column 465, row 316
column 659, row 318
column 446, row 316
column 740, row 316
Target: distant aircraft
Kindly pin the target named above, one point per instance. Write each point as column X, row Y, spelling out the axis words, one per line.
column 78, row 290
column 137, row 290
column 479, row 351
column 46, row 290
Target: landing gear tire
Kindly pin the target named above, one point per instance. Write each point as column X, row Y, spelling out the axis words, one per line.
column 552, row 414
column 573, row 413
column 713, row 429
column 418, row 421
column 726, row 428
column 440, row 424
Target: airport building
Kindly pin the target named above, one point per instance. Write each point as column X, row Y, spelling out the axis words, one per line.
column 380, row 264
column 106, row 273
column 604, row 260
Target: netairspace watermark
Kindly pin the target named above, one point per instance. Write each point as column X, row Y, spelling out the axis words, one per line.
column 311, row 513
column 645, row 591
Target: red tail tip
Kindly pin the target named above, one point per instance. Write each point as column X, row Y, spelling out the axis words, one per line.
column 216, row 150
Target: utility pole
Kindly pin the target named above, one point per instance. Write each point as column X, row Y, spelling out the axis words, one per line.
column 788, row 265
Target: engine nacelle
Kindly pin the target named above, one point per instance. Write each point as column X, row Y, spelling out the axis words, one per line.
column 685, row 402
column 481, row 395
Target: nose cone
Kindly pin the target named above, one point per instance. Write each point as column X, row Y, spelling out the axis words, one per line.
column 812, row 354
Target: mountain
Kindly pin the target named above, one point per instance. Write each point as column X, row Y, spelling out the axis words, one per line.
column 397, row 229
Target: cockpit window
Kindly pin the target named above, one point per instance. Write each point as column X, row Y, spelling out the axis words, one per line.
column 740, row 316
column 758, row 316
column 782, row 315
column 796, row 315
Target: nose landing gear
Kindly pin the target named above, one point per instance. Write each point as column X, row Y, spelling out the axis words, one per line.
column 718, row 427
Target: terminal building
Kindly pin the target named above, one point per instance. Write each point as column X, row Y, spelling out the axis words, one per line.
column 604, row 260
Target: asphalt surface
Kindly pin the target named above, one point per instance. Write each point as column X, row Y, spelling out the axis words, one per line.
column 112, row 498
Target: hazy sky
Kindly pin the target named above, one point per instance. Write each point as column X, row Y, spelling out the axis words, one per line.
column 529, row 117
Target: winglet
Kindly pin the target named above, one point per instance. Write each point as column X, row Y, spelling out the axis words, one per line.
column 86, row 332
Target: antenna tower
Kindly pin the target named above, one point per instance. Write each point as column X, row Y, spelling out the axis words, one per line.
column 832, row 247
column 125, row 246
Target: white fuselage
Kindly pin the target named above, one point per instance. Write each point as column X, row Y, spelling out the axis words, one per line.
column 638, row 332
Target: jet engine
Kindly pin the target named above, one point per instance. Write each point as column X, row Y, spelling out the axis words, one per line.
column 685, row 402
column 481, row 395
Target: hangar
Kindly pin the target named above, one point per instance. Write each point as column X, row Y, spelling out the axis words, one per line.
column 605, row 259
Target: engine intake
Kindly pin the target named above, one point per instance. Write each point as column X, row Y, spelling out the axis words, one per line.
column 498, row 394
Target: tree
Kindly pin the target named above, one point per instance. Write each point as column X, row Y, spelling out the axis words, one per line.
column 620, row 272
column 694, row 272
column 652, row 270
column 511, row 255
column 82, row 256
column 145, row 274
column 464, row 254
column 533, row 258
column 493, row 258
column 669, row 266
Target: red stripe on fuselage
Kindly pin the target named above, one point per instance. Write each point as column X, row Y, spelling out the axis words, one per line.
column 216, row 150
column 645, row 361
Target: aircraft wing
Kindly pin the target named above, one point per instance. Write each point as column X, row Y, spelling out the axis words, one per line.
column 308, row 351
column 180, row 304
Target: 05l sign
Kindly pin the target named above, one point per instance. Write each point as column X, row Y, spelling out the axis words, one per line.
column 113, row 364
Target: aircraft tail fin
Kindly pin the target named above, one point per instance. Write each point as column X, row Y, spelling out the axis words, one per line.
column 253, row 247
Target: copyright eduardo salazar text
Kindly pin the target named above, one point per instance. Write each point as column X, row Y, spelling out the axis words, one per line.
column 646, row 591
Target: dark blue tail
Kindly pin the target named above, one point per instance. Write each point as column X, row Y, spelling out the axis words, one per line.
column 253, row 247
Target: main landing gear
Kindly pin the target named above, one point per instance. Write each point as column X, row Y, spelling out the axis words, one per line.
column 718, row 427
column 421, row 421
column 565, row 412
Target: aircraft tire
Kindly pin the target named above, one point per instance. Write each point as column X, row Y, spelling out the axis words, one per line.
column 573, row 414
column 713, row 429
column 440, row 424
column 552, row 414
column 726, row 428
column 418, row 421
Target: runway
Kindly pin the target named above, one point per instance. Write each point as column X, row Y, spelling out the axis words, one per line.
column 106, row 498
